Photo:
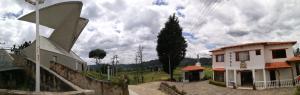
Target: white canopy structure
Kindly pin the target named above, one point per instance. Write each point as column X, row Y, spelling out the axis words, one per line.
column 65, row 19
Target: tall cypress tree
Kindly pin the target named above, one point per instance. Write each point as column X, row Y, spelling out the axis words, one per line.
column 171, row 45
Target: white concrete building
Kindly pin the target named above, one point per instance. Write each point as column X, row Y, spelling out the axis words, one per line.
column 259, row 65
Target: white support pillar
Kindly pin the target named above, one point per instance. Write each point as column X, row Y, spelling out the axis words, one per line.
column 183, row 77
column 37, row 50
column 234, row 76
column 226, row 71
column 253, row 74
column 265, row 79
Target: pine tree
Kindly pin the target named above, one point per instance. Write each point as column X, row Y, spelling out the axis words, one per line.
column 171, row 45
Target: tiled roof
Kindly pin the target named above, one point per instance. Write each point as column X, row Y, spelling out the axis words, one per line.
column 293, row 59
column 255, row 43
column 218, row 69
column 277, row 65
column 192, row 68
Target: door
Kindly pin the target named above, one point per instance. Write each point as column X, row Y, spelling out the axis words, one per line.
column 297, row 69
column 272, row 75
column 246, row 78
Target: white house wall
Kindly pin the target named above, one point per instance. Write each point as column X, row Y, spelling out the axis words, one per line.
column 268, row 54
column 259, row 75
column 256, row 61
column 217, row 64
column 284, row 74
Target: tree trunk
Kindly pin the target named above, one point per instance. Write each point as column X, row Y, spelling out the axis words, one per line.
column 172, row 79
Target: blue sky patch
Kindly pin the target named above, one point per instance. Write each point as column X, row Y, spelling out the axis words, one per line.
column 160, row 2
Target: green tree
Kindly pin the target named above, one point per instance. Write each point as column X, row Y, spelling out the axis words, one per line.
column 97, row 54
column 297, row 52
column 171, row 45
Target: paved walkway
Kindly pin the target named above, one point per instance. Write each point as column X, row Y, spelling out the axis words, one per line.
column 203, row 88
column 150, row 88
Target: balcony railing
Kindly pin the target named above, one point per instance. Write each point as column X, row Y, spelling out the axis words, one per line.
column 276, row 83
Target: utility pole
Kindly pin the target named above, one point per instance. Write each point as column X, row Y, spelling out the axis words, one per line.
column 136, row 67
column 140, row 59
column 112, row 64
column 116, row 64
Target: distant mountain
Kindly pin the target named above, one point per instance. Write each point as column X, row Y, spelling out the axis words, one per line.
column 192, row 61
column 155, row 63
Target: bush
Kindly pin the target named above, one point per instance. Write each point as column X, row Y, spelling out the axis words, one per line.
column 207, row 74
column 222, row 84
column 297, row 91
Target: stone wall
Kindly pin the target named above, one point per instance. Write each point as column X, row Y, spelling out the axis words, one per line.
column 15, row 79
column 170, row 90
column 49, row 82
column 100, row 87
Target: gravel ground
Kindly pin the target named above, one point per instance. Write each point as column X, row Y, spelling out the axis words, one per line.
column 150, row 88
column 203, row 88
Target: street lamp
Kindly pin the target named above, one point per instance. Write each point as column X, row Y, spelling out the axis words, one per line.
column 37, row 43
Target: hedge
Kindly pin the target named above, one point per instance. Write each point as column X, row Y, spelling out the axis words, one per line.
column 222, row 84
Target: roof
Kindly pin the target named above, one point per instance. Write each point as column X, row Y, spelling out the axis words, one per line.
column 218, row 69
column 6, row 62
column 294, row 59
column 192, row 68
column 65, row 19
column 277, row 65
column 255, row 43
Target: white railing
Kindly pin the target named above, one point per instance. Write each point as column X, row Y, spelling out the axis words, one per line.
column 275, row 83
column 259, row 84
column 286, row 83
column 297, row 82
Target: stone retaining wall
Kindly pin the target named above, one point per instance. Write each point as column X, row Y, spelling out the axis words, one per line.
column 170, row 90
column 20, row 92
column 100, row 87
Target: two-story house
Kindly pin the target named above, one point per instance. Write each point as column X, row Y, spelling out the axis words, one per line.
column 260, row 64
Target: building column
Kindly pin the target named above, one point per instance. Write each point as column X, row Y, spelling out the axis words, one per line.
column 234, row 76
column 293, row 79
column 253, row 74
column 265, row 78
column 278, row 77
column 226, row 71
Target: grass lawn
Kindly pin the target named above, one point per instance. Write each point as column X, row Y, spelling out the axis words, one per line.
column 149, row 76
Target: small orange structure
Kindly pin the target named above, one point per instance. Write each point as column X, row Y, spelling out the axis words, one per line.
column 192, row 73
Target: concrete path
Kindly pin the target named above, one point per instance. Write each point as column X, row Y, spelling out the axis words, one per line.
column 150, row 88
column 132, row 92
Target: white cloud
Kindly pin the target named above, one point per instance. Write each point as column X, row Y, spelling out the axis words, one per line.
column 119, row 26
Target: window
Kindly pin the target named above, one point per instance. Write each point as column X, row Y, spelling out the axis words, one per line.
column 280, row 53
column 257, row 52
column 242, row 56
column 220, row 58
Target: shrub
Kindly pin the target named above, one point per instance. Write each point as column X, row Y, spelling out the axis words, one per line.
column 222, row 84
column 207, row 74
column 297, row 91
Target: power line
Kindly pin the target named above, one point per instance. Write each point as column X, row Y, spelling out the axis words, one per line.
column 206, row 13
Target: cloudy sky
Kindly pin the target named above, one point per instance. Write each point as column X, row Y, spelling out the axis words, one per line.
column 119, row 26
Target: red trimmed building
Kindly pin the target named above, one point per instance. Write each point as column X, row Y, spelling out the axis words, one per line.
column 260, row 65
column 192, row 73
